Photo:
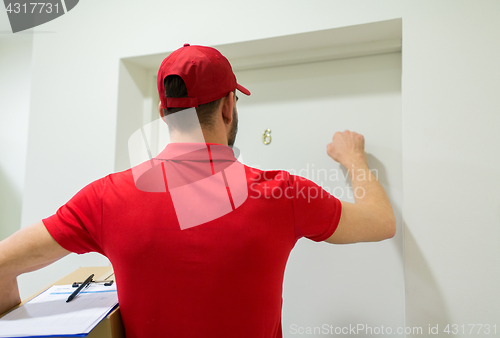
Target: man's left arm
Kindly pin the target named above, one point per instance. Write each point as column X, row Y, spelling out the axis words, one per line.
column 28, row 249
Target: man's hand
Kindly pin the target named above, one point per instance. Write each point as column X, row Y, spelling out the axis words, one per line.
column 347, row 148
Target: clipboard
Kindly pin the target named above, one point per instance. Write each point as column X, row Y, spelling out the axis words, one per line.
column 109, row 327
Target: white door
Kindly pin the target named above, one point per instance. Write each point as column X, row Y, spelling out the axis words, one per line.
column 329, row 287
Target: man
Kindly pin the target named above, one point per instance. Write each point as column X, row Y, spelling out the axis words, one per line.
column 221, row 277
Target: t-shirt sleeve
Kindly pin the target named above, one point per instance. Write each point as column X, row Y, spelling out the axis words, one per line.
column 76, row 226
column 316, row 211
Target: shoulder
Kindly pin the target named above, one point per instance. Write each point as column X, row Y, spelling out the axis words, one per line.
column 255, row 175
column 99, row 187
column 122, row 177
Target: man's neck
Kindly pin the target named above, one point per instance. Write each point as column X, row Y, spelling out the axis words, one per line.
column 207, row 137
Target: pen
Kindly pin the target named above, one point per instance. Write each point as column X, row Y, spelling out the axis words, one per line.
column 84, row 284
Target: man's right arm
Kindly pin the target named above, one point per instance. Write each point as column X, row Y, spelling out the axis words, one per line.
column 371, row 217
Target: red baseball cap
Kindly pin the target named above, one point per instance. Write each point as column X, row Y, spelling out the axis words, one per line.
column 206, row 72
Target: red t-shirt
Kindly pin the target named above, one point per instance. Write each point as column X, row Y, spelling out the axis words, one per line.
column 220, row 278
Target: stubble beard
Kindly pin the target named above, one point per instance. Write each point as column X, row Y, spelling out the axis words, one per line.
column 231, row 137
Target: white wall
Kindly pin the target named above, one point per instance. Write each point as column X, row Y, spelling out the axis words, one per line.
column 451, row 106
column 15, row 83
column 450, row 120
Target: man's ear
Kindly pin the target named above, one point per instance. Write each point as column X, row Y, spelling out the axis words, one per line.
column 227, row 108
column 160, row 109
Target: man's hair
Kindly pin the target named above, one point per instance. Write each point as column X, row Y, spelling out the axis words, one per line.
column 175, row 87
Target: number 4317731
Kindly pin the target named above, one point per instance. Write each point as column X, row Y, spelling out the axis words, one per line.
column 472, row 328
column 32, row 7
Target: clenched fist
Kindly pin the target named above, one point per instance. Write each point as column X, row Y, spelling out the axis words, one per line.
column 347, row 148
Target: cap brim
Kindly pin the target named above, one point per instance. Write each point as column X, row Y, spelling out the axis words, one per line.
column 242, row 89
